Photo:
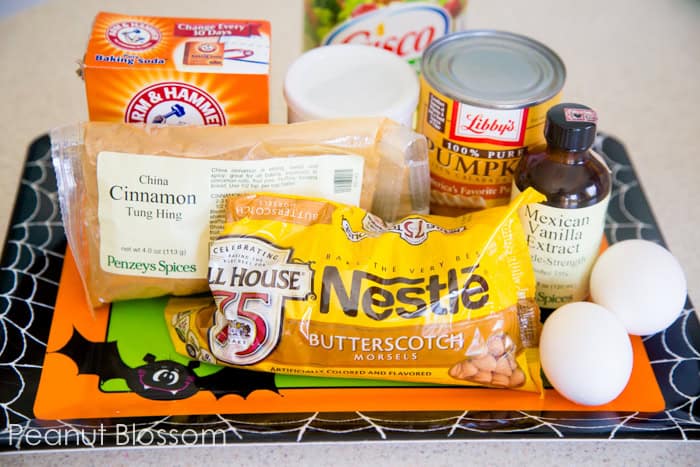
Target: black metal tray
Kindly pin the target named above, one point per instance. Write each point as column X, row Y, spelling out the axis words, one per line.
column 30, row 272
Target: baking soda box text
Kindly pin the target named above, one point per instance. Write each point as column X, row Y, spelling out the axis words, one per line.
column 178, row 71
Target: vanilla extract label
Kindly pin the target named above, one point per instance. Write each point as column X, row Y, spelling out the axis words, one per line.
column 563, row 245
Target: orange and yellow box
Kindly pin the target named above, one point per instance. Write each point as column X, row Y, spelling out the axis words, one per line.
column 140, row 69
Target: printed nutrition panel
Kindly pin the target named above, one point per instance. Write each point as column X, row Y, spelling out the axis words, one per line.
column 437, row 110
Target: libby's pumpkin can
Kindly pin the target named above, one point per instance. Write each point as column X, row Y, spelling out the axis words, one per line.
column 484, row 99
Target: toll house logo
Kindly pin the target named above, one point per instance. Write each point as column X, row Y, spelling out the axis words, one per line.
column 133, row 35
column 413, row 230
column 250, row 280
column 174, row 103
column 480, row 125
column 405, row 29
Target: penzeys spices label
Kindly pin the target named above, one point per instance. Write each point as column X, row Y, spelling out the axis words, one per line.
column 157, row 214
column 321, row 288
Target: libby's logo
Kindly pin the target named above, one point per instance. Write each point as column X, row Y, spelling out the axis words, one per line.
column 476, row 124
column 413, row 230
column 174, row 103
column 405, row 29
column 133, row 35
column 250, row 279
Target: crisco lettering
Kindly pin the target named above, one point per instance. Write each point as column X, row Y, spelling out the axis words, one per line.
column 410, row 43
column 381, row 297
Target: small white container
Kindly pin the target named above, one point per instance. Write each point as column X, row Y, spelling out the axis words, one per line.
column 347, row 80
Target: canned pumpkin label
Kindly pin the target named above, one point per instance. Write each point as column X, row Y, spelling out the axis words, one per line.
column 484, row 99
column 473, row 151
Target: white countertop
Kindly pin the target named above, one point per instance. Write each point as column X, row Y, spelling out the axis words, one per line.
column 635, row 61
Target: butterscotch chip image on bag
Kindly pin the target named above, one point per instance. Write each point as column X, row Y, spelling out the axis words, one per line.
column 141, row 204
column 308, row 286
column 495, row 364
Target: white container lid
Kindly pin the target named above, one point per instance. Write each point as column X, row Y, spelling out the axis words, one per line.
column 348, row 80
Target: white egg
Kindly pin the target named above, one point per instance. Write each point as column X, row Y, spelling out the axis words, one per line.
column 642, row 283
column 586, row 353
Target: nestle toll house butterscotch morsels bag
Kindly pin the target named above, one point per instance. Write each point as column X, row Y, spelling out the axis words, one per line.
column 313, row 287
column 141, row 204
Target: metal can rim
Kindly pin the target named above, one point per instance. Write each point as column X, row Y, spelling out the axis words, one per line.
column 558, row 67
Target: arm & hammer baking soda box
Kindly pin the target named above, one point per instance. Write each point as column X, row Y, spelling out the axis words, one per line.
column 180, row 71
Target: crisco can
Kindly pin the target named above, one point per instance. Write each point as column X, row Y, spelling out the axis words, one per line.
column 484, row 99
column 405, row 27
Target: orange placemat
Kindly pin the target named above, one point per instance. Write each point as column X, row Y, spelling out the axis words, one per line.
column 106, row 366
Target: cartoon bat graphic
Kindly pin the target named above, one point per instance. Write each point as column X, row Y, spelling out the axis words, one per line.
column 161, row 379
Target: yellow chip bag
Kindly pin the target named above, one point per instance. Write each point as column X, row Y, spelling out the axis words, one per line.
column 312, row 287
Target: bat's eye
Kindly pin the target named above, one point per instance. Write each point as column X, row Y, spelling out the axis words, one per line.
column 166, row 377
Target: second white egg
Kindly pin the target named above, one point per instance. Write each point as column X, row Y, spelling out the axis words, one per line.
column 642, row 283
column 586, row 353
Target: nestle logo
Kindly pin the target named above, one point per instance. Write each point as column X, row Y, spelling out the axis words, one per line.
column 475, row 124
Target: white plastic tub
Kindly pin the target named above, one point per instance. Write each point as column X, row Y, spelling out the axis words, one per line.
column 350, row 81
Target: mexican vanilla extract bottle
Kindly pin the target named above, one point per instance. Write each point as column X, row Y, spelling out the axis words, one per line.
column 564, row 233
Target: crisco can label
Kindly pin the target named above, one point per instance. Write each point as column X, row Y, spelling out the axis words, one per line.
column 404, row 28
